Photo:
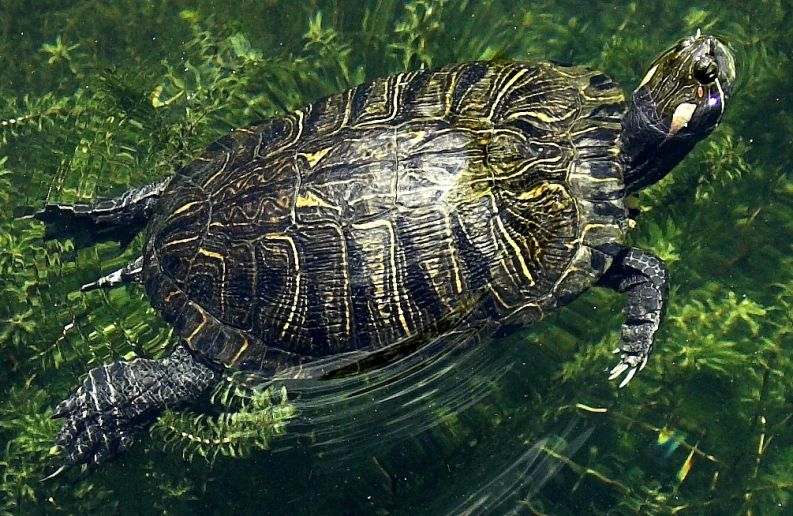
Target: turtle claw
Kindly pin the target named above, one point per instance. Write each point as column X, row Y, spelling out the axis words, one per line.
column 630, row 363
column 628, row 377
column 60, row 411
column 98, row 421
column 58, row 472
column 618, row 370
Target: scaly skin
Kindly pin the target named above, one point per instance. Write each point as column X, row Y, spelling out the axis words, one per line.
column 117, row 399
column 645, row 278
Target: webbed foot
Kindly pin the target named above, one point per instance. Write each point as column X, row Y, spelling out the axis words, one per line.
column 118, row 399
column 119, row 218
column 645, row 278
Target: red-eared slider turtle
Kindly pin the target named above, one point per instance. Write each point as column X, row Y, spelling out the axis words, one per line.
column 479, row 195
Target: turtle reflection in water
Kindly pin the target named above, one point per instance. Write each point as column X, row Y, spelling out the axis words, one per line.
column 398, row 213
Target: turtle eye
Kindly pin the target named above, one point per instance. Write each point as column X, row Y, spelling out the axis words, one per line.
column 705, row 70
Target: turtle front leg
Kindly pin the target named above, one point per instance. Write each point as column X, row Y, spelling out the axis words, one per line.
column 645, row 278
column 117, row 399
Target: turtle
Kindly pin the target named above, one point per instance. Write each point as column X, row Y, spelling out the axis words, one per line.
column 476, row 197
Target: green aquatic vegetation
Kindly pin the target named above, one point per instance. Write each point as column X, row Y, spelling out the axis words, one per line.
column 421, row 21
column 330, row 50
column 250, row 420
column 661, row 239
column 5, row 183
column 725, row 162
column 28, row 115
column 713, row 330
column 25, row 417
column 775, row 486
column 712, row 338
column 59, row 52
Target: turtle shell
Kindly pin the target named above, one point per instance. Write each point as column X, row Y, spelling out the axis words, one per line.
column 396, row 210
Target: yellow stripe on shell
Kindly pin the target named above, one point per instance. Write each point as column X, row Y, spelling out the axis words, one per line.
column 198, row 328
column 218, row 256
column 211, row 254
column 314, row 157
column 392, row 259
column 526, row 272
column 221, row 170
column 310, row 200
column 296, row 296
column 180, row 241
column 502, row 91
column 240, row 352
column 542, row 117
column 184, row 207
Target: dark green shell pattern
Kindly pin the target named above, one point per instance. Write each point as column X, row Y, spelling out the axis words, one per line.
column 374, row 215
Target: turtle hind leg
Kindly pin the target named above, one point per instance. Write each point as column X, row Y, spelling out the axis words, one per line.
column 118, row 399
column 132, row 272
column 119, row 218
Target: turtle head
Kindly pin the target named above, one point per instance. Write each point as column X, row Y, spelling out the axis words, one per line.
column 679, row 102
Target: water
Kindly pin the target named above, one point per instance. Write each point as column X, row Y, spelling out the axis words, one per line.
column 95, row 98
